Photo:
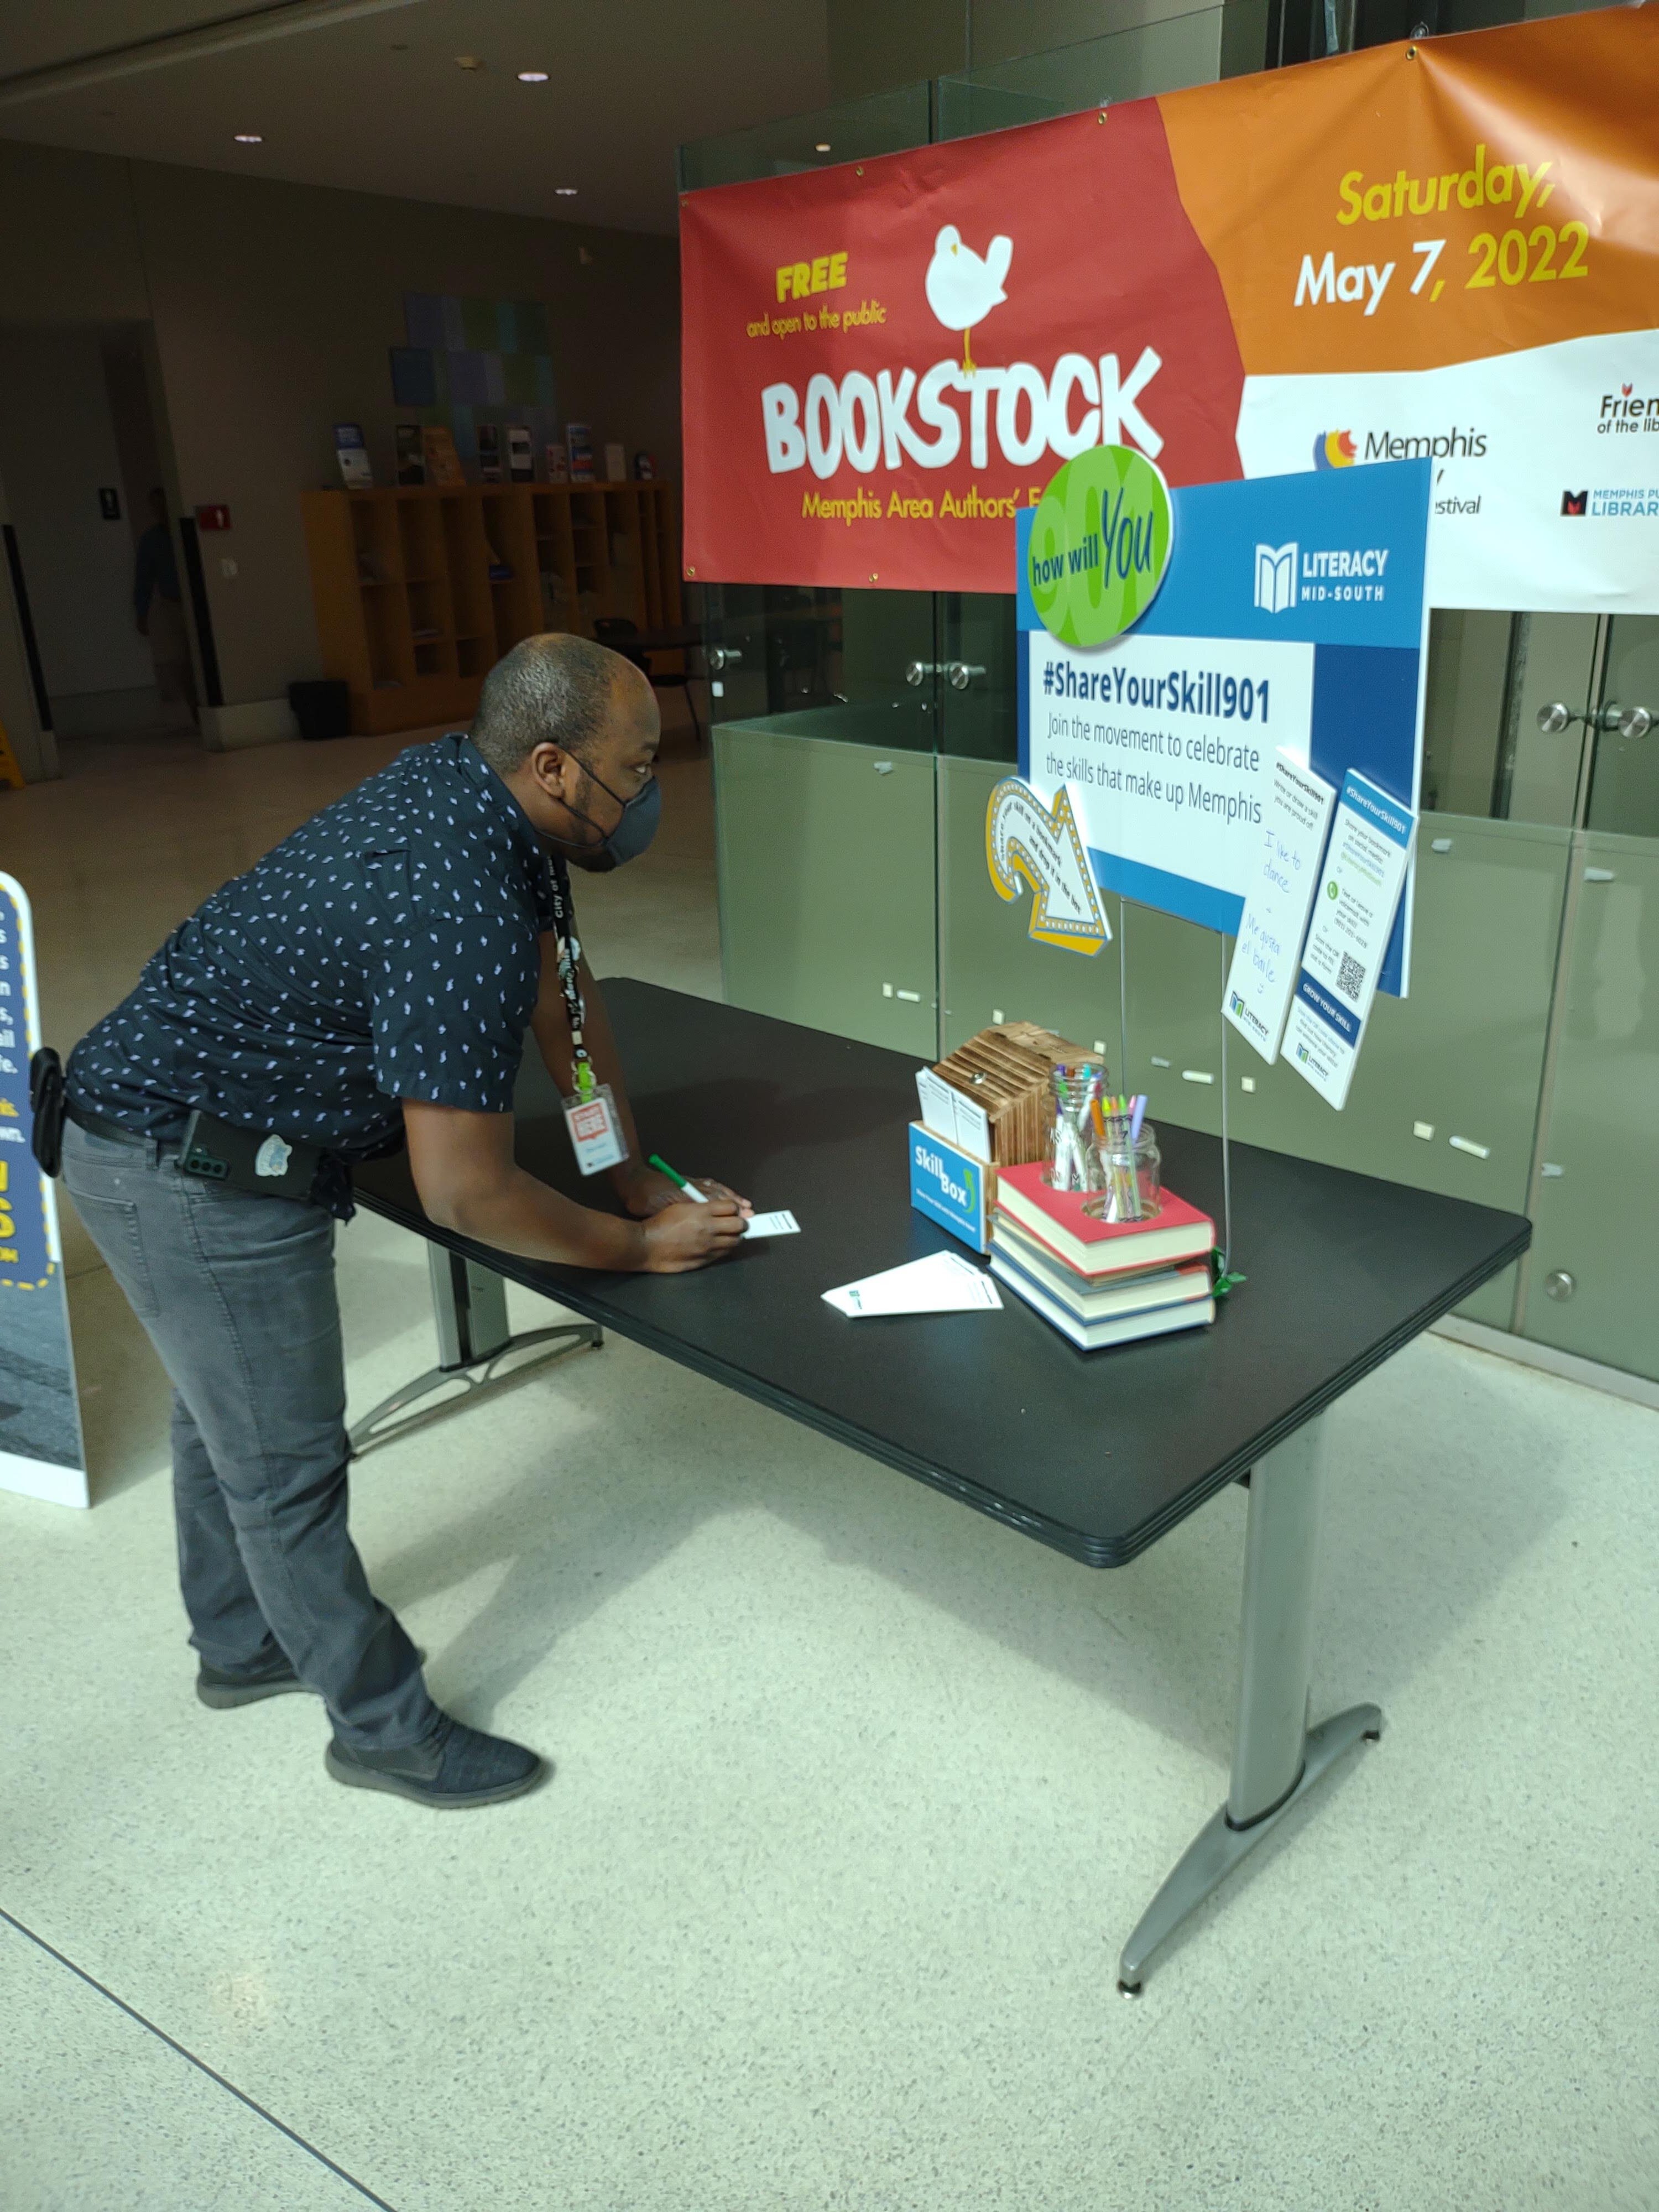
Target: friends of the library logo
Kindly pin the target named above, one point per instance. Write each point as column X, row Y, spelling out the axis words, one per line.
column 1285, row 575
column 1627, row 413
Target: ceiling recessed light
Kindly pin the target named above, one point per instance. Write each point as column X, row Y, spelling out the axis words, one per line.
column 469, row 60
column 564, row 192
column 250, row 138
column 532, row 77
column 823, row 146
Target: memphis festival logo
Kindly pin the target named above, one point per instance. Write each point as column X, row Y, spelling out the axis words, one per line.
column 1275, row 578
column 1334, row 449
column 897, row 417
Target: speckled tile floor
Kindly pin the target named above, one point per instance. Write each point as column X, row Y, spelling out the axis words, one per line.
column 857, row 1793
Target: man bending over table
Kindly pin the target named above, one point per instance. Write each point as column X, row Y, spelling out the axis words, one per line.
column 370, row 981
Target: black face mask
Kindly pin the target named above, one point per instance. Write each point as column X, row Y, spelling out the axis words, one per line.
column 633, row 833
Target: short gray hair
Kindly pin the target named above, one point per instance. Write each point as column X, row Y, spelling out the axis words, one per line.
column 557, row 689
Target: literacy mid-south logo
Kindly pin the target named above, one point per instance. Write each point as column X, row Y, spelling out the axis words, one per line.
column 1334, row 449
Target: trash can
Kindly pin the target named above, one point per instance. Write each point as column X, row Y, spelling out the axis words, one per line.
column 322, row 707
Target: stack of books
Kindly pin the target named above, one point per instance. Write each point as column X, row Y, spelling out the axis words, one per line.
column 1101, row 1283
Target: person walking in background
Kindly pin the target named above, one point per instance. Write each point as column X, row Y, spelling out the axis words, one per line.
column 159, row 609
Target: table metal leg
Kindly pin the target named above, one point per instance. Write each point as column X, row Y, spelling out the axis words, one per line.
column 1277, row 1758
column 469, row 1308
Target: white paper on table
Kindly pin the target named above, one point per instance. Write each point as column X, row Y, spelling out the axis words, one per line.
column 942, row 1283
column 949, row 1113
column 782, row 1223
column 1268, row 950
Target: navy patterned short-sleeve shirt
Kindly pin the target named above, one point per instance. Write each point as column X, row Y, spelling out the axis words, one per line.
column 387, row 949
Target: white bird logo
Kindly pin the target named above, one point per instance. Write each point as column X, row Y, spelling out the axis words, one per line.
column 962, row 289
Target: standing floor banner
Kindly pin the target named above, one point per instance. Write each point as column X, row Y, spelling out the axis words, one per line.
column 1446, row 251
column 41, row 1451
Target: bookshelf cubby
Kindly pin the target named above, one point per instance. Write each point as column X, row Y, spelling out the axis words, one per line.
column 419, row 590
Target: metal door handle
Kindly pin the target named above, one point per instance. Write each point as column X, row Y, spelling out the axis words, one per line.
column 722, row 656
column 1629, row 721
column 960, row 674
column 918, row 672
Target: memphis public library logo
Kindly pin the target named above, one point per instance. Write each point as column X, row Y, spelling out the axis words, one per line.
column 1286, row 576
column 1610, row 502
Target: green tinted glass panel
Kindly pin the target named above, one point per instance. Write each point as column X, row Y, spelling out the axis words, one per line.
column 836, row 664
column 978, row 707
column 1489, row 675
column 884, row 122
column 826, row 884
column 1597, row 1219
column 1127, row 64
column 1463, row 1056
column 1625, row 783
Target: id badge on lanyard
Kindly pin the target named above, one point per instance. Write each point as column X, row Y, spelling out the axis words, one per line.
column 596, row 1136
column 590, row 1112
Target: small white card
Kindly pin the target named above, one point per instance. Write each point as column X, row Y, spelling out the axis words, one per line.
column 782, row 1223
column 940, row 1283
column 1268, row 951
column 949, row 1113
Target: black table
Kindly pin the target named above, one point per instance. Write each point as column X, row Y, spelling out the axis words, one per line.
column 1097, row 1454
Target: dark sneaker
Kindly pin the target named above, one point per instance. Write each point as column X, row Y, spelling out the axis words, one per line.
column 217, row 1687
column 456, row 1766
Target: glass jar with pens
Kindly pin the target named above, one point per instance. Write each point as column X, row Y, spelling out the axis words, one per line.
column 1130, row 1178
column 1072, row 1161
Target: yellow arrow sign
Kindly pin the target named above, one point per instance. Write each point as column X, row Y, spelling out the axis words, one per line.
column 1026, row 838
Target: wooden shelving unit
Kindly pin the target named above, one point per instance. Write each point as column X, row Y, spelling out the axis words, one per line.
column 420, row 590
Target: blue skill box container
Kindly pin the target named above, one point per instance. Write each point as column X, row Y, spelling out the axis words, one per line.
column 951, row 1187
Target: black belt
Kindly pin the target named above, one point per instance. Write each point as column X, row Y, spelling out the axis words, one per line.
column 110, row 1132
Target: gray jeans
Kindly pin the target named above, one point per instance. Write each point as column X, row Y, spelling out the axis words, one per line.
column 237, row 1295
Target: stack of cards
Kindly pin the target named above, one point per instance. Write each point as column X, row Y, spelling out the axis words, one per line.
column 940, row 1283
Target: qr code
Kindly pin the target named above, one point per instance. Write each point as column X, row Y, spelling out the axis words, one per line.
column 1350, row 976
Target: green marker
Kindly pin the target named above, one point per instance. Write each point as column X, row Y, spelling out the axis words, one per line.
column 674, row 1175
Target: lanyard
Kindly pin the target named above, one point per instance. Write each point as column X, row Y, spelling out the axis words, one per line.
column 564, row 928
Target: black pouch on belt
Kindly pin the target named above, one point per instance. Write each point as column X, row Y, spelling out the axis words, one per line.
column 46, row 1110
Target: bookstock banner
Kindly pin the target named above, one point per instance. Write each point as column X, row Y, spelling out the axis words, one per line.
column 1446, row 251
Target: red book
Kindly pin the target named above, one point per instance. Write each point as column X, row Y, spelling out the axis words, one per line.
column 1056, row 1220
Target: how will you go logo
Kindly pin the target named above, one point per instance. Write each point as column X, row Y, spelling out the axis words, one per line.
column 1100, row 545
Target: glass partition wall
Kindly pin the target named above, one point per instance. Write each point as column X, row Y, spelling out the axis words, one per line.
column 857, row 735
